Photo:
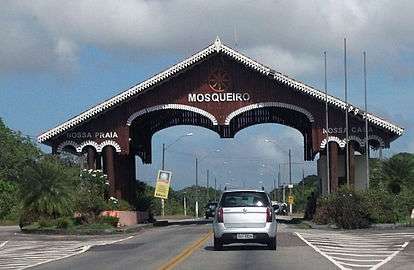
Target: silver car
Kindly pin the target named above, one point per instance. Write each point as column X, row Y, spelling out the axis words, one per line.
column 244, row 216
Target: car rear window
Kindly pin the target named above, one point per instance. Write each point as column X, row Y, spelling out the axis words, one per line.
column 244, row 199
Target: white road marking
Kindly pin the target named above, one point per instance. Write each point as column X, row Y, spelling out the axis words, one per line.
column 4, row 243
column 349, row 250
column 24, row 254
column 320, row 252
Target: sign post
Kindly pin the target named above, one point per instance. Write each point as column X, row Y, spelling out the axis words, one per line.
column 290, row 199
column 162, row 187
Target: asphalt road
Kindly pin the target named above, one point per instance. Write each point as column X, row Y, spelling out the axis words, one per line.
column 158, row 249
column 191, row 247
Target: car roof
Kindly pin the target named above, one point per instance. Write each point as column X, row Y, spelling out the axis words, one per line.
column 244, row 190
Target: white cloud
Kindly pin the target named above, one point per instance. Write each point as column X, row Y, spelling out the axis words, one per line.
column 287, row 34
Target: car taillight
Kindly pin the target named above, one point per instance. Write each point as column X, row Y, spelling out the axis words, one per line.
column 268, row 214
column 220, row 215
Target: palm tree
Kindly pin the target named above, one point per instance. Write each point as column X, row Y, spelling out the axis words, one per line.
column 46, row 189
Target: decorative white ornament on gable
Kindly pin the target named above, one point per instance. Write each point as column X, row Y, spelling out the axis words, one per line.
column 64, row 144
column 79, row 147
column 269, row 104
column 172, row 106
column 340, row 142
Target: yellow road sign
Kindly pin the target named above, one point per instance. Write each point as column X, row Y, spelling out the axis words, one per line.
column 291, row 199
column 163, row 184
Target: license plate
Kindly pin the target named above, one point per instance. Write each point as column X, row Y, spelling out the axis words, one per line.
column 244, row 236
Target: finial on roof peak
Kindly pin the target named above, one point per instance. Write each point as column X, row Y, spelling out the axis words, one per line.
column 217, row 43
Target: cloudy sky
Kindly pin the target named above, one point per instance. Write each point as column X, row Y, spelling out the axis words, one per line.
column 58, row 58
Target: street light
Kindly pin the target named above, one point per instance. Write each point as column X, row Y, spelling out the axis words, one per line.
column 290, row 168
column 165, row 147
column 197, row 160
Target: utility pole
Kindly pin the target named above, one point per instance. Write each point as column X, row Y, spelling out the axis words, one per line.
column 278, row 180
column 290, row 167
column 366, row 120
column 196, row 187
column 346, row 116
column 303, row 179
column 328, row 172
column 208, row 180
column 163, row 167
column 215, row 189
column 185, row 206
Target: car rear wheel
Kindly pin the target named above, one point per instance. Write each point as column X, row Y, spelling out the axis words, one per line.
column 272, row 243
column 218, row 245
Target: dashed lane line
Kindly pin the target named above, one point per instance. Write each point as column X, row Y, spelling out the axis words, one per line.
column 348, row 251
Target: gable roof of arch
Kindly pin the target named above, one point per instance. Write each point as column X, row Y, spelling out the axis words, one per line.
column 216, row 47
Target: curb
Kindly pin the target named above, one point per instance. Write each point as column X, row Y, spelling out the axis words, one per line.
column 126, row 230
column 380, row 226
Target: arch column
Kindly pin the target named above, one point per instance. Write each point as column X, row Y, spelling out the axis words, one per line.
column 109, row 168
column 351, row 150
column 91, row 158
column 98, row 161
column 333, row 164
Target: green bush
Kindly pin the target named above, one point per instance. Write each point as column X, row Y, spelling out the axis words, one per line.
column 345, row 208
column 64, row 223
column 321, row 215
column 119, row 205
column 113, row 221
column 45, row 222
column 90, row 194
column 404, row 203
column 381, row 205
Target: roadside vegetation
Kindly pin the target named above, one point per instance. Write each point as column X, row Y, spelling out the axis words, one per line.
column 38, row 190
column 390, row 198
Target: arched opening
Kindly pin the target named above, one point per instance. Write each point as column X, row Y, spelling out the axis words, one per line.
column 143, row 127
column 283, row 115
column 240, row 159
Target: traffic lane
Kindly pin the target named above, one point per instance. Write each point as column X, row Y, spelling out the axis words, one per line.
column 291, row 253
column 148, row 250
column 403, row 261
column 7, row 232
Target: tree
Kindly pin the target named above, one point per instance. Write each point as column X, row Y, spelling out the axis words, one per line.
column 46, row 189
column 398, row 171
column 17, row 152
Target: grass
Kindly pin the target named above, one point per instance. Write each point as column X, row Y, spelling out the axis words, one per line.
column 93, row 228
column 8, row 222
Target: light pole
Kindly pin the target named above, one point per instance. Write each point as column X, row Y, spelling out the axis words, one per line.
column 215, row 189
column 208, row 182
column 164, row 148
column 197, row 160
column 289, row 158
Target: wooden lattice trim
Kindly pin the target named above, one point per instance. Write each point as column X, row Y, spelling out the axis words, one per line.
column 175, row 107
column 62, row 146
column 266, row 105
column 79, row 147
column 88, row 143
column 111, row 143
column 341, row 143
